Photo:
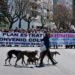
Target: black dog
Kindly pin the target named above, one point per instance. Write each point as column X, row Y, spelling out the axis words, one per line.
column 19, row 54
column 32, row 60
column 31, row 54
column 52, row 55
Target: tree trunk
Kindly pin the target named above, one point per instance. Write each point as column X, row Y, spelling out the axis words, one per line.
column 42, row 21
column 28, row 24
column 57, row 25
column 42, row 26
column 19, row 23
column 11, row 24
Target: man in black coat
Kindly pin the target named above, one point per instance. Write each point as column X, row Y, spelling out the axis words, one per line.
column 46, row 52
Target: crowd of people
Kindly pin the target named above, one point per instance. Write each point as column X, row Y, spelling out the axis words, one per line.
column 39, row 29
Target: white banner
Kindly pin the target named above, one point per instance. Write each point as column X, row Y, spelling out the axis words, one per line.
column 20, row 39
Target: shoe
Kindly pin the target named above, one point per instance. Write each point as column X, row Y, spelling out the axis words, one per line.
column 54, row 63
column 41, row 65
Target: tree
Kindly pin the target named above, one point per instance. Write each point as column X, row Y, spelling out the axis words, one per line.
column 32, row 12
column 61, row 17
column 12, row 13
column 20, row 9
column 4, row 22
column 4, row 7
column 73, row 20
column 3, row 10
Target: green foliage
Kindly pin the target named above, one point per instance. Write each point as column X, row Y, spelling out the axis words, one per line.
column 4, row 25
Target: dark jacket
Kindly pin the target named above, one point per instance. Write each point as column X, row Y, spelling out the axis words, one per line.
column 46, row 40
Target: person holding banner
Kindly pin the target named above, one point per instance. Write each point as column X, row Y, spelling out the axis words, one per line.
column 46, row 51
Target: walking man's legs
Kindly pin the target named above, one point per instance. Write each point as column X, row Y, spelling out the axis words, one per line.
column 42, row 55
column 49, row 56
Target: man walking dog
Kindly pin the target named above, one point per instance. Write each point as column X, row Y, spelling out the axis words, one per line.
column 46, row 52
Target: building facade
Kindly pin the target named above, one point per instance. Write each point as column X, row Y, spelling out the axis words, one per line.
column 54, row 5
column 45, row 10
